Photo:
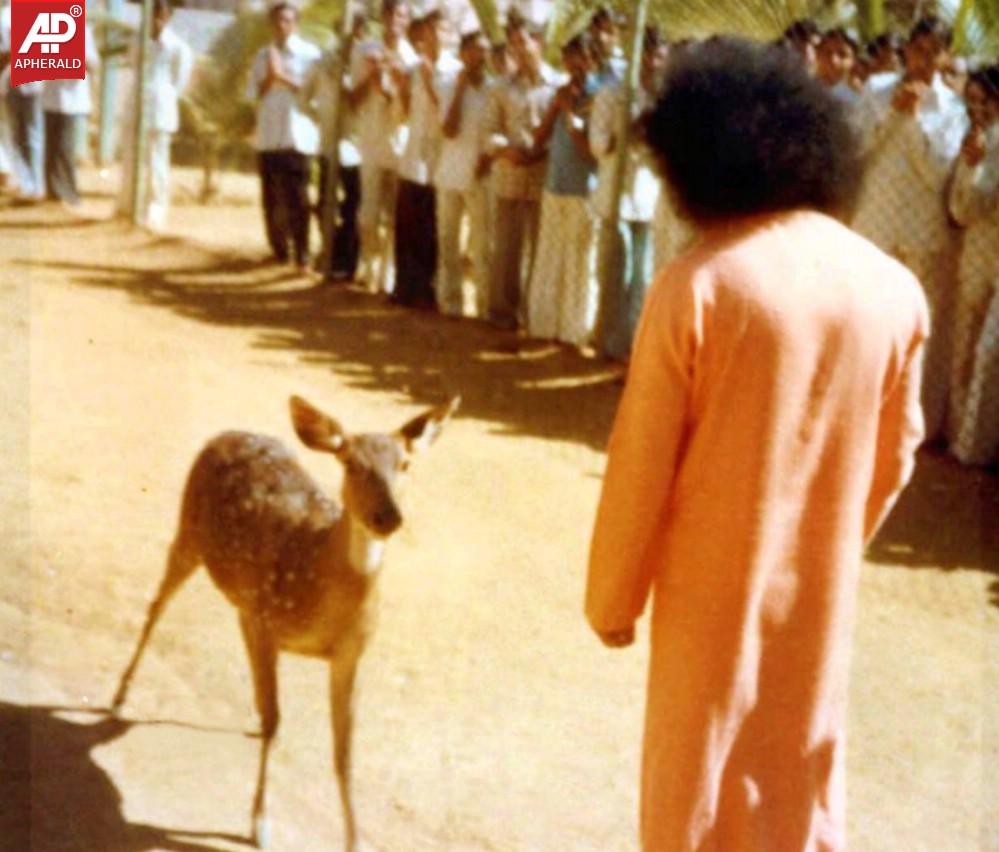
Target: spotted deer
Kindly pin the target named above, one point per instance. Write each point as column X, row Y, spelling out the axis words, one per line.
column 301, row 571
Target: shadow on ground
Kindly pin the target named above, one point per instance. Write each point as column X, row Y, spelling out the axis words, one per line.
column 55, row 796
column 526, row 387
column 948, row 518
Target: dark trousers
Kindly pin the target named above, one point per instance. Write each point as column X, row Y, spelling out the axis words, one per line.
column 284, row 183
column 60, row 156
column 346, row 239
column 415, row 245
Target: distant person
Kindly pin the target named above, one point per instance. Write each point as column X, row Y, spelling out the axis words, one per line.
column 835, row 59
column 803, row 38
column 416, row 198
column 768, row 422
column 286, row 137
column 609, row 61
column 26, row 126
column 67, row 105
column 915, row 135
column 462, row 179
column 169, row 62
column 517, row 105
column 377, row 68
column 561, row 297
column 973, row 422
column 624, row 246
column 317, row 93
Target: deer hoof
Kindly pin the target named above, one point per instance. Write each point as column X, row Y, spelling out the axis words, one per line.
column 261, row 832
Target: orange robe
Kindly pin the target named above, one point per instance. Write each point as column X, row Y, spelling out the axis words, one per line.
column 769, row 420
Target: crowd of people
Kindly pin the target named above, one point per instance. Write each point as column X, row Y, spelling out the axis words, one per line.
column 493, row 149
column 43, row 124
column 481, row 181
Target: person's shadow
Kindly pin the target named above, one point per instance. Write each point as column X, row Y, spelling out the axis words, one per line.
column 53, row 795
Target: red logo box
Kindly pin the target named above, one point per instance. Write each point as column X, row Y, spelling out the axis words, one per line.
column 47, row 41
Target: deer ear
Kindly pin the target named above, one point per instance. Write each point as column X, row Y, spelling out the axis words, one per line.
column 420, row 432
column 316, row 430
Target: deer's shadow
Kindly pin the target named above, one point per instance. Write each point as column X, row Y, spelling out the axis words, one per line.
column 55, row 796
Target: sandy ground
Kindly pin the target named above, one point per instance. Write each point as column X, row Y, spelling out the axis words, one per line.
column 489, row 718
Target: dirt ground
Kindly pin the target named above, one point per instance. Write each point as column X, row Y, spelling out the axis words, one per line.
column 489, row 717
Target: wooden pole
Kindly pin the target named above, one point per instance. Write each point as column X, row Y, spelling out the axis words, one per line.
column 139, row 140
column 327, row 216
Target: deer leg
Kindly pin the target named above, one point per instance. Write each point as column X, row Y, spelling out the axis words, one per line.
column 181, row 563
column 262, row 652
column 343, row 670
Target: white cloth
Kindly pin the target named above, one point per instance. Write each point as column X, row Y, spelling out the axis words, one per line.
column 317, row 96
column 902, row 210
column 72, row 97
column 381, row 132
column 452, row 207
column 562, row 295
column 419, row 158
column 169, row 63
column 282, row 123
column 641, row 185
column 973, row 422
column 155, row 195
column 516, row 107
column 460, row 154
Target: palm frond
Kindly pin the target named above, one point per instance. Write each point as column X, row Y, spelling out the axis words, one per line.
column 489, row 19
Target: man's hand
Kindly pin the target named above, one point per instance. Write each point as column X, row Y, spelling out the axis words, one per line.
column 618, row 638
column 973, row 147
column 908, row 96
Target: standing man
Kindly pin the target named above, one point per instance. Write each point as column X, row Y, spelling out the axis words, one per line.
column 169, row 63
column 377, row 69
column 416, row 209
column 915, row 136
column 66, row 104
column 461, row 179
column 286, row 136
column 318, row 95
column 518, row 105
column 25, row 125
column 768, row 422
column 625, row 247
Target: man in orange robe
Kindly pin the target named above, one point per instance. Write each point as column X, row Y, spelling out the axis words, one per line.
column 769, row 420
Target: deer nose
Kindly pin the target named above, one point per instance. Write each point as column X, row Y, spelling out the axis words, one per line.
column 387, row 520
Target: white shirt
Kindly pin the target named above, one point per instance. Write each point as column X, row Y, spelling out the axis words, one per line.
column 460, row 154
column 317, row 95
column 381, row 134
column 282, row 123
column 641, row 185
column 169, row 62
column 419, row 158
column 72, row 97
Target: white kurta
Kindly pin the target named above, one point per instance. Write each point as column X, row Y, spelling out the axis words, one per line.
column 902, row 210
column 973, row 422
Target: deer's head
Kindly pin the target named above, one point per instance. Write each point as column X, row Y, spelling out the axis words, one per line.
column 374, row 463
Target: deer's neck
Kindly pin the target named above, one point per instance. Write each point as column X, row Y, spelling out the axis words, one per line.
column 364, row 550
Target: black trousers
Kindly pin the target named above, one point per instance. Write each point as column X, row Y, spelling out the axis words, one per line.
column 415, row 245
column 346, row 238
column 284, row 184
column 60, row 156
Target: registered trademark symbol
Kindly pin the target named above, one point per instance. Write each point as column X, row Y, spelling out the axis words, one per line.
column 75, row 10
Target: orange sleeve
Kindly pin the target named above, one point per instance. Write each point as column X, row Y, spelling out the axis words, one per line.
column 900, row 432
column 643, row 455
